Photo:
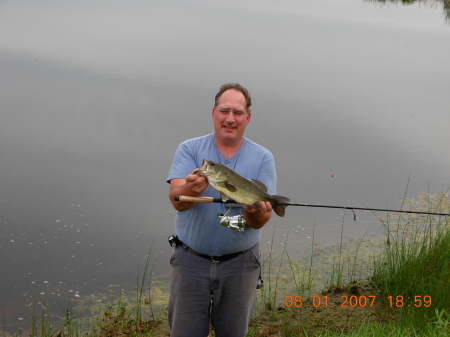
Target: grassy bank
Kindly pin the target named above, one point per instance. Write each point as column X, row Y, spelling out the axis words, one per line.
column 415, row 271
column 407, row 292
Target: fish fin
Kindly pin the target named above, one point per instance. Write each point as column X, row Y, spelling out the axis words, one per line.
column 230, row 188
column 260, row 185
column 223, row 196
column 280, row 209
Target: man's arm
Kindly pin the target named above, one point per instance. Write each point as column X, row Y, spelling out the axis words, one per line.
column 193, row 185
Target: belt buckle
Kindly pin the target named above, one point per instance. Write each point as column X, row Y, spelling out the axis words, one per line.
column 212, row 259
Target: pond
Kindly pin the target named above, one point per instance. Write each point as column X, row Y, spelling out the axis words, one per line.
column 350, row 96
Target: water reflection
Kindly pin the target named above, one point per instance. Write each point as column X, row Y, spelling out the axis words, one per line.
column 444, row 3
column 349, row 103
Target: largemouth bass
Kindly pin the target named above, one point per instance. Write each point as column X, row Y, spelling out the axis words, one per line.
column 232, row 185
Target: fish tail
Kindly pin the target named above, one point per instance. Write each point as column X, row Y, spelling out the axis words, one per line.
column 280, row 209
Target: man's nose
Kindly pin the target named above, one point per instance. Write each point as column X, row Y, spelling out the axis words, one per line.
column 230, row 117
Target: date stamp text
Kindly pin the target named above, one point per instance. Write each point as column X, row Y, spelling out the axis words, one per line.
column 354, row 301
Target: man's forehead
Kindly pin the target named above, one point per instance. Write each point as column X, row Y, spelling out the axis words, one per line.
column 232, row 95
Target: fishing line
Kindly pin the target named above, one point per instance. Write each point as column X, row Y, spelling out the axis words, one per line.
column 230, row 201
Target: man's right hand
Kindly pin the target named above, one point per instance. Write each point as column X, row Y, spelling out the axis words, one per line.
column 193, row 185
column 196, row 183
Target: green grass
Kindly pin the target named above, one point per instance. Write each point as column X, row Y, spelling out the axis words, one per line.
column 438, row 327
column 417, row 261
column 411, row 277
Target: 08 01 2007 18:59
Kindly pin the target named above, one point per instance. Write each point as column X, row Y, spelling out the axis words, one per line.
column 358, row 301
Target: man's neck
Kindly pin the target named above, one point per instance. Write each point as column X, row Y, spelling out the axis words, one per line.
column 228, row 148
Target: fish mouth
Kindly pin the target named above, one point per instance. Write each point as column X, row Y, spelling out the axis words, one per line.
column 201, row 173
column 204, row 166
column 203, row 170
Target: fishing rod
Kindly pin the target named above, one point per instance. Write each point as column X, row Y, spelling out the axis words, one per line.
column 230, row 201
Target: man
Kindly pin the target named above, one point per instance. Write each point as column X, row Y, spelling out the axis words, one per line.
column 215, row 269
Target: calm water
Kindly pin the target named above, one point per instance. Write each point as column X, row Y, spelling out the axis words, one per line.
column 351, row 96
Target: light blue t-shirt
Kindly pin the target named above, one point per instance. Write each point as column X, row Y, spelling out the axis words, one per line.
column 199, row 227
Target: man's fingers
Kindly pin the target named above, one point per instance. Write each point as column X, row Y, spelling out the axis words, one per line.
column 260, row 206
column 196, row 183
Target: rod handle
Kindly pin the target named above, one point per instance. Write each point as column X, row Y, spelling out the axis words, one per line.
column 186, row 198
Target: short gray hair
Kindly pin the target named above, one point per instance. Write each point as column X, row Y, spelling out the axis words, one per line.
column 238, row 87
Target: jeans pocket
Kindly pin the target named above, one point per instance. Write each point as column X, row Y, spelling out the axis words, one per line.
column 174, row 256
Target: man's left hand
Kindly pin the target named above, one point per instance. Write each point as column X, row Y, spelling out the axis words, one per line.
column 256, row 217
column 261, row 206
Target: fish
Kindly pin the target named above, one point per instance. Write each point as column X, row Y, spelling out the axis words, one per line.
column 232, row 185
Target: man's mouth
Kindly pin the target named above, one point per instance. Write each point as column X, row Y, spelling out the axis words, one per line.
column 230, row 127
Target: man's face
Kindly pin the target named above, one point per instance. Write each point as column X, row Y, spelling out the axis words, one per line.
column 230, row 116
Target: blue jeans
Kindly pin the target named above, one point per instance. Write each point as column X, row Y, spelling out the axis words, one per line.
column 203, row 291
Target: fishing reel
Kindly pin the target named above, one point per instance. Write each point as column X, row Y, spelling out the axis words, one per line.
column 235, row 222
